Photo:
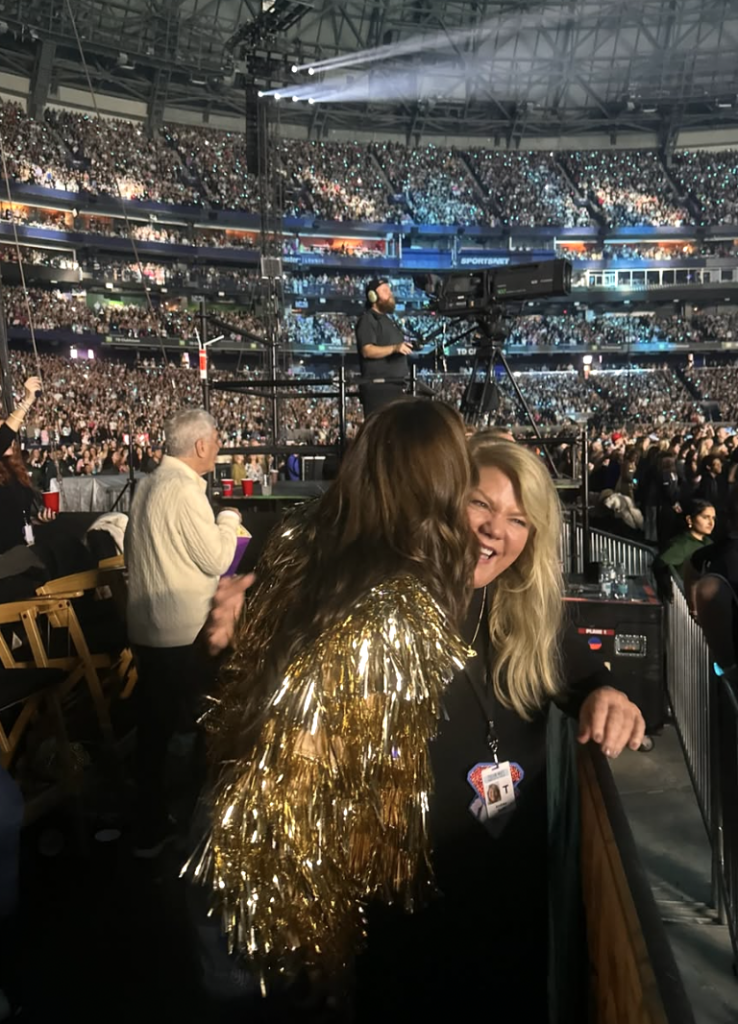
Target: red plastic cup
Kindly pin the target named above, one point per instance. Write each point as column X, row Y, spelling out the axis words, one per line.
column 227, row 488
column 51, row 500
column 248, row 488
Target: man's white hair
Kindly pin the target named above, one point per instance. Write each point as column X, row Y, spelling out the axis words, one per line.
column 185, row 428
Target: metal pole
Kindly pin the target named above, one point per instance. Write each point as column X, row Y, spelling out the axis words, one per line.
column 499, row 354
column 7, row 380
column 573, row 542
column 585, row 500
column 273, row 390
column 203, row 364
column 342, row 408
column 413, row 380
column 203, row 357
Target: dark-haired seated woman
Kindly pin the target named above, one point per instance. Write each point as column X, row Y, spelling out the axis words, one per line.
column 700, row 522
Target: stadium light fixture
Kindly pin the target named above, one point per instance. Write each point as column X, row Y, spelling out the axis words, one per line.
column 294, row 69
column 311, row 71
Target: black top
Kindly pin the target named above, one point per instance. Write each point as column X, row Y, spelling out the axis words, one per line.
column 713, row 489
column 379, row 329
column 483, row 944
column 721, row 560
column 16, row 502
column 465, row 850
column 7, row 436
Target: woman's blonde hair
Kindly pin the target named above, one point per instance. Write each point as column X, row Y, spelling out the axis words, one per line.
column 526, row 607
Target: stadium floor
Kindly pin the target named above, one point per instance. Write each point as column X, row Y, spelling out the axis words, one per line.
column 659, row 801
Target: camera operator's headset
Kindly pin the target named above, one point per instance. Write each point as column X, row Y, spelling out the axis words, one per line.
column 371, row 296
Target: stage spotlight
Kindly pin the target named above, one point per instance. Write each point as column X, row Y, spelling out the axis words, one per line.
column 295, row 99
column 277, row 96
column 311, row 101
column 295, row 69
column 311, row 71
column 260, row 94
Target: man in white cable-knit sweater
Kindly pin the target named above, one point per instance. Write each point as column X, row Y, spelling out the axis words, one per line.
column 176, row 551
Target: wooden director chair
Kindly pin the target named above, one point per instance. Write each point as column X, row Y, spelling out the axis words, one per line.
column 31, row 687
column 105, row 658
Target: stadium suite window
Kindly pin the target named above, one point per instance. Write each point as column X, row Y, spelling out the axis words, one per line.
column 653, row 277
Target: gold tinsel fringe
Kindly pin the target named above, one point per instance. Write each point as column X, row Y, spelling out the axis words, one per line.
column 330, row 807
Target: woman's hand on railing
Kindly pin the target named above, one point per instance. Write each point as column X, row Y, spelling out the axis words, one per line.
column 612, row 721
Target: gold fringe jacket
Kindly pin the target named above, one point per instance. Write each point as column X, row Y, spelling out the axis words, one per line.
column 329, row 808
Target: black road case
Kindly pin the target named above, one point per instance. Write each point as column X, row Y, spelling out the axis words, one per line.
column 627, row 634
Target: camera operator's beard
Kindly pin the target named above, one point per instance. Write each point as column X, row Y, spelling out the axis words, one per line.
column 386, row 305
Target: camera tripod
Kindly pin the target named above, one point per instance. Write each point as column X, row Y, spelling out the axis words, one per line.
column 131, row 481
column 482, row 397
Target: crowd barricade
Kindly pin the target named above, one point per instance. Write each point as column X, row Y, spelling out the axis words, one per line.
column 704, row 710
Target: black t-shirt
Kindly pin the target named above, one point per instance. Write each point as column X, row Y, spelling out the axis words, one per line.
column 16, row 506
column 483, row 944
column 379, row 329
column 465, row 850
column 721, row 559
column 16, row 501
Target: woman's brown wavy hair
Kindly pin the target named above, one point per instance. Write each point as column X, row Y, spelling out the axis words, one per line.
column 12, row 467
column 398, row 505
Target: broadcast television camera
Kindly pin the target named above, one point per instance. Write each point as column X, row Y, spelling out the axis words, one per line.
column 464, row 293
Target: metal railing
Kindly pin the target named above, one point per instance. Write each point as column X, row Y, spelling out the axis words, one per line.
column 704, row 708
column 725, row 822
column 636, row 558
column 690, row 690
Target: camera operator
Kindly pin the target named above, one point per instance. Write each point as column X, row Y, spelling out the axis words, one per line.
column 383, row 350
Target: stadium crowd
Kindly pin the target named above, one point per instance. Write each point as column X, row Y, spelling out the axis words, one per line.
column 55, row 310
column 76, row 311
column 118, row 157
column 335, row 181
column 101, row 392
column 435, row 183
column 644, row 251
column 718, row 384
column 711, row 179
column 345, row 285
column 382, row 182
column 90, row 406
column 528, row 188
column 630, row 187
column 217, row 160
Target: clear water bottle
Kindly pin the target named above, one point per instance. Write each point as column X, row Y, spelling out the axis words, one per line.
column 621, row 584
column 605, row 579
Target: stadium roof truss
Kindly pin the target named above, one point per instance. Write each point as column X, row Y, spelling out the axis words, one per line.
column 481, row 67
